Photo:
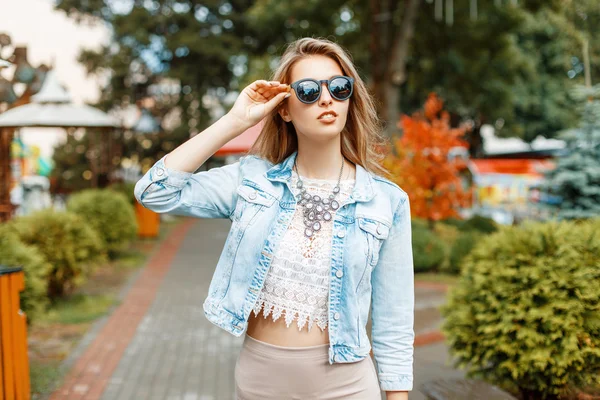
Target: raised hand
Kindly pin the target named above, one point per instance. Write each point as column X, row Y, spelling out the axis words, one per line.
column 257, row 100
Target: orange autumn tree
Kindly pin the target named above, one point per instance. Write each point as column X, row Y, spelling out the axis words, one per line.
column 420, row 165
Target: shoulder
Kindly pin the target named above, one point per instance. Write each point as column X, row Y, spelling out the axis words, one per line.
column 388, row 188
column 251, row 164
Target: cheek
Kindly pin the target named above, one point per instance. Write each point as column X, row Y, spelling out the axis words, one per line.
column 299, row 113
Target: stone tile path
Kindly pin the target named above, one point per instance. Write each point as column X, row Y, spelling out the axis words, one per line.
column 158, row 344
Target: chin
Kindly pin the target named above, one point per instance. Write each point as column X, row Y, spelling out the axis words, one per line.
column 326, row 133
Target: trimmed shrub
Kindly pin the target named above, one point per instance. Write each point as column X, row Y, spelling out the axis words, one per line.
column 428, row 249
column 14, row 253
column 525, row 311
column 109, row 213
column 461, row 248
column 448, row 235
column 458, row 223
column 480, row 224
column 419, row 223
column 125, row 188
column 64, row 239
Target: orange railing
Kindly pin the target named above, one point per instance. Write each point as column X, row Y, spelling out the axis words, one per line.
column 14, row 364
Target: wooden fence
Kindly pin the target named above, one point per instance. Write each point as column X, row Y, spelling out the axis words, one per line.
column 14, row 363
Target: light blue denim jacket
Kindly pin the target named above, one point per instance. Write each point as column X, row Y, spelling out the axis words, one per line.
column 371, row 260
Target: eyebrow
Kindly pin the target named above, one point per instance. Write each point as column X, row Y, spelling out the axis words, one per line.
column 317, row 79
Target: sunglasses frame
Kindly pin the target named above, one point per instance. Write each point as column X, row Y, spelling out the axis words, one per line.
column 320, row 85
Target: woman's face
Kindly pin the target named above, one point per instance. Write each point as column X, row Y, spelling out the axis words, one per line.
column 305, row 117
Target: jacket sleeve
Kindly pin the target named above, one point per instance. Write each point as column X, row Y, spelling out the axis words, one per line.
column 392, row 302
column 205, row 194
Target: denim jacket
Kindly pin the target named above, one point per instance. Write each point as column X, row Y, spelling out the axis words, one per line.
column 371, row 259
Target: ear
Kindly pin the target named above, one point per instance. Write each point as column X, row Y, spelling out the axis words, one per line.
column 284, row 113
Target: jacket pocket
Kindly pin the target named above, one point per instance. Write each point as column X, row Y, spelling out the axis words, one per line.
column 251, row 200
column 376, row 232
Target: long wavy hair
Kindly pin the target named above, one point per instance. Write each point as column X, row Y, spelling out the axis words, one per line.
column 362, row 137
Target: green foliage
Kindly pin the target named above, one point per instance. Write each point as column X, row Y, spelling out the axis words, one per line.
column 79, row 308
column 70, row 164
column 461, row 248
column 70, row 245
column 454, row 222
column 448, row 235
column 576, row 178
column 480, row 224
column 45, row 376
column 125, row 188
column 14, row 253
column 428, row 249
column 525, row 310
column 109, row 213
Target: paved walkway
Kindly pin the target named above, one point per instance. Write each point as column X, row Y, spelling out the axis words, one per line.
column 158, row 345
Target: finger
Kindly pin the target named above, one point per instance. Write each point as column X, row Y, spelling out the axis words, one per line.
column 258, row 83
column 271, row 104
column 268, row 93
column 261, row 83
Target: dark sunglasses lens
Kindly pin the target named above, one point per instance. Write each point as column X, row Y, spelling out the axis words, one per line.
column 341, row 88
column 308, row 91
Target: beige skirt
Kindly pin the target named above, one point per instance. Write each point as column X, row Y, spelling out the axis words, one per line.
column 265, row 371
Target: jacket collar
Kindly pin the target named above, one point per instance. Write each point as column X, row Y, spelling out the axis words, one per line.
column 363, row 187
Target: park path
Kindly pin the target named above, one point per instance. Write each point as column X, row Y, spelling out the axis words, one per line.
column 157, row 345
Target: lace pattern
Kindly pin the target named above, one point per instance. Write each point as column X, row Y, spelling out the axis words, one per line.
column 297, row 284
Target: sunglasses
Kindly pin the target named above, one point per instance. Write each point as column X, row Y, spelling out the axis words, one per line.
column 308, row 90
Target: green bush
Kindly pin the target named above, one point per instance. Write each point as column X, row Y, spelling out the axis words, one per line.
column 428, row 249
column 461, row 248
column 109, row 213
column 458, row 223
column 480, row 224
column 448, row 235
column 14, row 253
column 70, row 245
column 525, row 312
column 419, row 223
column 125, row 188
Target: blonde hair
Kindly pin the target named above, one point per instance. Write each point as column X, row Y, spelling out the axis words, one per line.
column 362, row 138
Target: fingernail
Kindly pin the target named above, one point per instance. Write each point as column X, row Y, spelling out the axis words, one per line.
column 287, row 95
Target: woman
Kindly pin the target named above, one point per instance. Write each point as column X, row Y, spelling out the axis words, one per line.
column 318, row 236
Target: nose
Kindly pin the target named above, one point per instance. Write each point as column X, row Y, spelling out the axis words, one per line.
column 325, row 98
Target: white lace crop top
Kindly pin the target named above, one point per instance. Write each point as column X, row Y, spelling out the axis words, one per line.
column 297, row 283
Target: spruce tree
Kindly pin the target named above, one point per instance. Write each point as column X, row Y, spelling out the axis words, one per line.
column 576, row 178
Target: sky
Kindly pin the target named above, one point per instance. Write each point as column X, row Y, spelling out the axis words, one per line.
column 52, row 38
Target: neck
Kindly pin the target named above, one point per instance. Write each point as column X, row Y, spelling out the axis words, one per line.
column 322, row 161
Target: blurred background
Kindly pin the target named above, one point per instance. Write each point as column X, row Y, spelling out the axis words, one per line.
column 492, row 110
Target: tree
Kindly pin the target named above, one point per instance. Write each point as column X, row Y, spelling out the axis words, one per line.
column 422, row 165
column 481, row 60
column 576, row 178
column 173, row 51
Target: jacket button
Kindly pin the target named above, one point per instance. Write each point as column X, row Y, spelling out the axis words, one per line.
column 379, row 229
column 160, row 171
column 336, row 316
column 339, row 273
column 341, row 233
column 252, row 195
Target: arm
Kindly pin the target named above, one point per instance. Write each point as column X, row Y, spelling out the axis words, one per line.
column 171, row 187
column 396, row 395
column 392, row 303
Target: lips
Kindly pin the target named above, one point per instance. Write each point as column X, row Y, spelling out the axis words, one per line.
column 328, row 113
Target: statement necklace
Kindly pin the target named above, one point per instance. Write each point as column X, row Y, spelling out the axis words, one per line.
column 317, row 210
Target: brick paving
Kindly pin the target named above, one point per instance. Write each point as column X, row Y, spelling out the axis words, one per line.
column 91, row 372
column 158, row 344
